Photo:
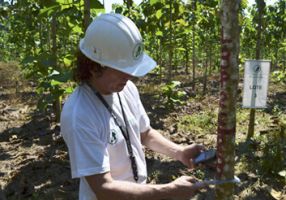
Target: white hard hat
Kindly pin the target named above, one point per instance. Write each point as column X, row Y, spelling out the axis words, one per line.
column 114, row 41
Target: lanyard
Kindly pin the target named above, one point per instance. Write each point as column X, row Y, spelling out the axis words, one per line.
column 124, row 132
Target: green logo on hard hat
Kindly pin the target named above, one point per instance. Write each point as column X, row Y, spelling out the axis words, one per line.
column 138, row 51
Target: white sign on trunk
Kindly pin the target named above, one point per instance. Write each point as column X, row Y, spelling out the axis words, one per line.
column 255, row 88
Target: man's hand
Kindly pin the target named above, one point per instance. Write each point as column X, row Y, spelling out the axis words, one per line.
column 189, row 153
column 186, row 187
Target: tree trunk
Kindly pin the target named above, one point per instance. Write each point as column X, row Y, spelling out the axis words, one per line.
column 276, row 56
column 41, row 36
column 57, row 101
column 210, row 60
column 228, row 97
column 128, row 4
column 205, row 76
column 194, row 48
column 86, row 13
column 176, row 63
column 187, row 61
column 159, row 59
column 187, row 52
column 261, row 6
column 170, row 45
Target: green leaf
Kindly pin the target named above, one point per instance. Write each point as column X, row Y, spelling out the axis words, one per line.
column 49, row 10
column 99, row 10
column 69, row 90
column 159, row 14
column 65, row 2
column 49, row 3
column 28, row 60
column 54, row 83
column 182, row 22
column 182, row 9
column 181, row 93
column 181, row 49
column 77, row 29
column 61, row 1
column 45, row 61
column 152, row 2
column 176, row 83
column 62, row 77
column 159, row 33
column 43, row 85
column 67, row 62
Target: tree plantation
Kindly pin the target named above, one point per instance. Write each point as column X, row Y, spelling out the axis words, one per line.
column 194, row 95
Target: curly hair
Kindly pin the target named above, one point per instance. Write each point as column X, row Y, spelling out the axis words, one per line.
column 84, row 67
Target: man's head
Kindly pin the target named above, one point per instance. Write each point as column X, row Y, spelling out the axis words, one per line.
column 108, row 80
column 114, row 41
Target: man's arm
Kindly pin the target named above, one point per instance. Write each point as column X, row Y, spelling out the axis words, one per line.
column 106, row 188
column 158, row 143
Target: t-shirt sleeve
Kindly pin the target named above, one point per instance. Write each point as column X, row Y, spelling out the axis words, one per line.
column 88, row 152
column 144, row 121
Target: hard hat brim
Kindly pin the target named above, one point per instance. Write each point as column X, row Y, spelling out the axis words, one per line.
column 145, row 65
column 139, row 69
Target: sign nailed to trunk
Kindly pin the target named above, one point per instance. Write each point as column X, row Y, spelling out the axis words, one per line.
column 255, row 88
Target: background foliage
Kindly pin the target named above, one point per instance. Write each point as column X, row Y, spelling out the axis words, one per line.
column 182, row 37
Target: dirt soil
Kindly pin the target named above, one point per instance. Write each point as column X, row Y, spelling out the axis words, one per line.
column 34, row 161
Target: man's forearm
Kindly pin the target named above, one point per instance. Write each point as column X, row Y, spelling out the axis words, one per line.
column 158, row 143
column 122, row 190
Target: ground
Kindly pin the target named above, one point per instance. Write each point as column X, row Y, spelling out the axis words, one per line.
column 34, row 161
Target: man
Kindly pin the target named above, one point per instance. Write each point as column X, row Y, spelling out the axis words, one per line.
column 105, row 125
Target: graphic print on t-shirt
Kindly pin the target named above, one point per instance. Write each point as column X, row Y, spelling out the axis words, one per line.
column 113, row 137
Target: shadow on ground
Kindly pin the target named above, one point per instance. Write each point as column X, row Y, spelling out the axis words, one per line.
column 33, row 157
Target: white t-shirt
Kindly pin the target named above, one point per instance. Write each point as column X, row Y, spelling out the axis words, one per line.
column 95, row 143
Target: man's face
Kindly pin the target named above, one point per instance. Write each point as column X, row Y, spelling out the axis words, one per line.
column 113, row 80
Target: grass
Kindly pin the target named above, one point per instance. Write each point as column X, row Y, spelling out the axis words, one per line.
column 262, row 120
column 201, row 122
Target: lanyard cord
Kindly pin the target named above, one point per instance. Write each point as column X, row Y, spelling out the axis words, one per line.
column 125, row 132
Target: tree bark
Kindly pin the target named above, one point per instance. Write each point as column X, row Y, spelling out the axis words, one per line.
column 86, row 13
column 228, row 97
column 194, row 47
column 57, row 101
column 260, row 6
column 170, row 45
column 187, row 61
column 206, row 66
column 128, row 4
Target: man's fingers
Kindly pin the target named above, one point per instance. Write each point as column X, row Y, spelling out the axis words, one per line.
column 200, row 185
column 190, row 179
column 201, row 147
column 193, row 180
column 191, row 163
